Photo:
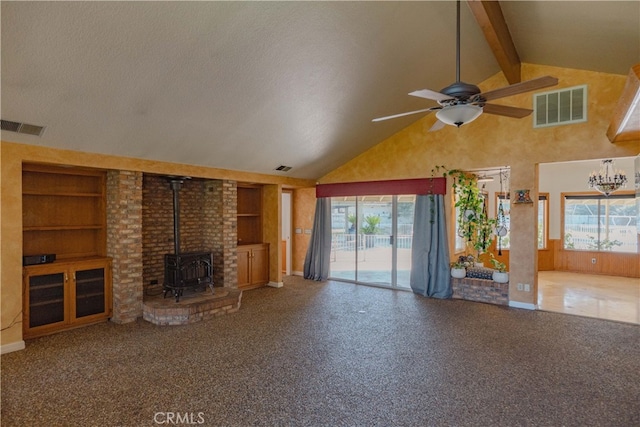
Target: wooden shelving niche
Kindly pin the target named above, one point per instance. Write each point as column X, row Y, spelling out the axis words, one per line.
column 64, row 213
column 253, row 254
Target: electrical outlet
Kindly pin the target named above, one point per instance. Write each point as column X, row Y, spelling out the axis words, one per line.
column 593, row 260
column 527, row 287
column 519, row 286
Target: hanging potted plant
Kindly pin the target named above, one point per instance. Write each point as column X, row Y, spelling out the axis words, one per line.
column 500, row 275
column 484, row 235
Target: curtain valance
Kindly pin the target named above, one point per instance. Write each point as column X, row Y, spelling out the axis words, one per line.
column 419, row 186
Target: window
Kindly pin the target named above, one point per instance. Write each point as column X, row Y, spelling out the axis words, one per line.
column 543, row 219
column 599, row 223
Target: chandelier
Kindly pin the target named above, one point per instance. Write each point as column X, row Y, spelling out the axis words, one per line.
column 606, row 180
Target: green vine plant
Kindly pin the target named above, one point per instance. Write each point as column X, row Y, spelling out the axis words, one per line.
column 475, row 226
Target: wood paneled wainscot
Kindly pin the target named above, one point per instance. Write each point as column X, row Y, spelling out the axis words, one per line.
column 66, row 294
column 608, row 263
column 253, row 266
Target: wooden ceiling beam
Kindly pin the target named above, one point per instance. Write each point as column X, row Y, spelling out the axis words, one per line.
column 625, row 123
column 489, row 16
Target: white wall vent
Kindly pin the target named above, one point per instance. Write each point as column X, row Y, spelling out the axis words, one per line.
column 25, row 128
column 560, row 107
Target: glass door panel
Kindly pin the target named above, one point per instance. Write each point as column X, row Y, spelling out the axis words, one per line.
column 343, row 238
column 90, row 292
column 46, row 299
column 372, row 238
column 404, row 239
column 375, row 249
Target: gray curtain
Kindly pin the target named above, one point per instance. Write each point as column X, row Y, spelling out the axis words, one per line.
column 316, row 263
column 430, row 272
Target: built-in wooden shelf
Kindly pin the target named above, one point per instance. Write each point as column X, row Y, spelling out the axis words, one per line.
column 63, row 227
column 41, row 193
column 249, row 214
column 63, row 211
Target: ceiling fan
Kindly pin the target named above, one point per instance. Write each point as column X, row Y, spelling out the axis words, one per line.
column 461, row 102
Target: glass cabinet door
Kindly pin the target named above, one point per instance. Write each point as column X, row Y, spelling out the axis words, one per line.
column 89, row 292
column 46, row 299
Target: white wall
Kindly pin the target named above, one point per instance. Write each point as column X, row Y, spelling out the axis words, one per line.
column 557, row 178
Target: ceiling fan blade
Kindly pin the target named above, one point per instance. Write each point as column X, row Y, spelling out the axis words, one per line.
column 430, row 94
column 521, row 87
column 505, row 110
column 379, row 119
column 437, row 126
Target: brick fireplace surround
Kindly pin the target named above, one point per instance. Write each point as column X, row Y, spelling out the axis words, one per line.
column 140, row 231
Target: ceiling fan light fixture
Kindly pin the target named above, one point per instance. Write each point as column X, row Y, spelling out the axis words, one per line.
column 458, row 115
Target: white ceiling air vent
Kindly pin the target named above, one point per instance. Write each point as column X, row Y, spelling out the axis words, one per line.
column 560, row 107
column 283, row 168
column 25, row 128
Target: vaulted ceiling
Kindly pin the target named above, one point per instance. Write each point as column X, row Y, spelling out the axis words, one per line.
column 254, row 85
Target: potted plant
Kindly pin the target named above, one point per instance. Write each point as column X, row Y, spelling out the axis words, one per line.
column 500, row 274
column 458, row 269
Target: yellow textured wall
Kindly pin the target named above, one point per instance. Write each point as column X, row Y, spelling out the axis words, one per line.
column 272, row 228
column 13, row 155
column 304, row 207
column 492, row 141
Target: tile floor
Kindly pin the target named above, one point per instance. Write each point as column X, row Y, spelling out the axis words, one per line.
column 603, row 297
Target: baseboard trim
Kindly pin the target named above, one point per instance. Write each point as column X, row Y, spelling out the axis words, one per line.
column 275, row 284
column 524, row 305
column 297, row 273
column 14, row 346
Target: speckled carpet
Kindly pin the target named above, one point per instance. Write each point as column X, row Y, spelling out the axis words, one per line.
column 333, row 354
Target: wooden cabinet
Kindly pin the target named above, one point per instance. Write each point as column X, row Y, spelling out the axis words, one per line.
column 253, row 266
column 249, row 214
column 66, row 294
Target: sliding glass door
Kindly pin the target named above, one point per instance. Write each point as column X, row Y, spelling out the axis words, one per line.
column 371, row 239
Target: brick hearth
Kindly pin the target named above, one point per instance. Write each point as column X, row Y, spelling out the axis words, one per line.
column 480, row 290
column 192, row 307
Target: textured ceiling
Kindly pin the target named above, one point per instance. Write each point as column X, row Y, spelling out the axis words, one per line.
column 254, row 85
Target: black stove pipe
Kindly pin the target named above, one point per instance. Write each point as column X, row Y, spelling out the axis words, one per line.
column 176, row 185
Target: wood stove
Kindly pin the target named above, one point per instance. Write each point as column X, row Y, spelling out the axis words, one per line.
column 187, row 271
column 184, row 270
